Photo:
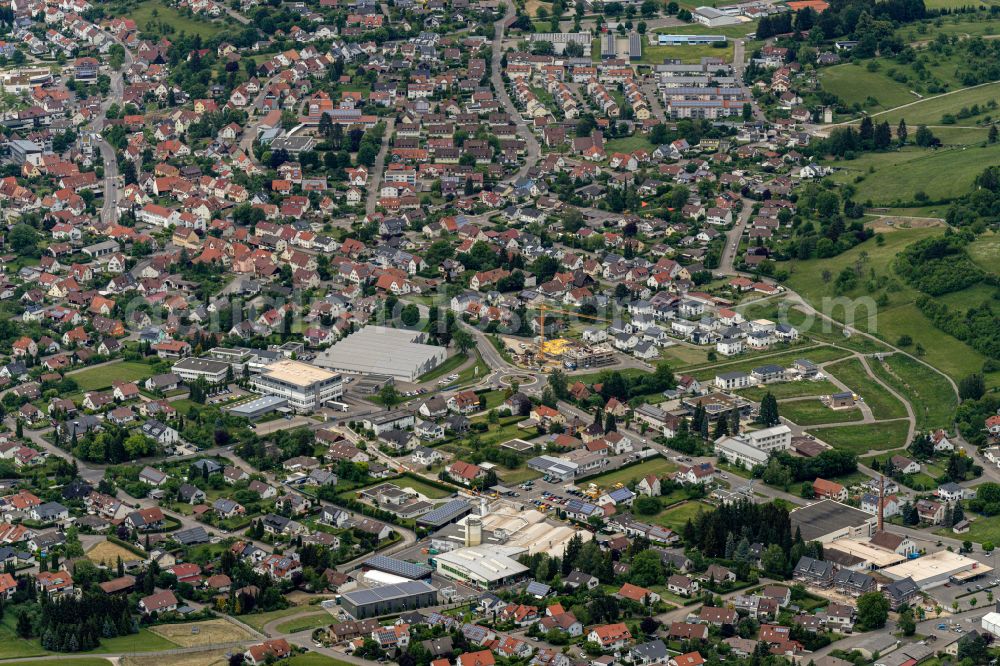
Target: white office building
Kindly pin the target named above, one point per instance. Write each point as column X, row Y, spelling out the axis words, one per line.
column 304, row 386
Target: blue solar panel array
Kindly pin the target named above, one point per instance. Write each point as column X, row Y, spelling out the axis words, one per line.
column 398, row 567
column 445, row 513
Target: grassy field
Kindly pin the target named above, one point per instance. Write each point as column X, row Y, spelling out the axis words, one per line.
column 790, row 390
column 693, row 53
column 685, row 356
column 68, row 661
column 448, row 367
column 201, row 658
column 156, row 11
column 930, row 395
column 258, row 620
column 107, row 553
column 900, row 316
column 424, row 489
column 929, row 110
column 628, row 144
column 859, row 439
column 854, row 84
column 981, row 530
column 312, row 621
column 894, row 178
column 196, row 634
column 658, row 466
column 677, row 516
column 881, row 402
column 312, row 659
column 985, row 250
column 814, row 412
column 513, row 477
column 101, row 377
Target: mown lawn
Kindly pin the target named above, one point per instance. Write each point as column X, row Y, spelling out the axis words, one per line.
column 314, row 621
column 446, row 368
column 860, row 439
column 658, row 466
column 425, row 489
column 154, row 12
column 101, row 377
column 855, row 84
column 676, row 517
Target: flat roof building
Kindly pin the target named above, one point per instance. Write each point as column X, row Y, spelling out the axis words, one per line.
column 688, row 40
column 712, row 17
column 828, row 520
column 485, row 566
column 563, row 470
column 189, row 369
column 388, row 599
column 304, row 386
column 449, row 512
column 397, row 567
column 937, row 569
column 379, row 350
column 608, row 46
column 634, row 46
column 259, row 408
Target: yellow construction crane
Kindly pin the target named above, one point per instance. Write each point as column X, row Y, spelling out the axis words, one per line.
column 542, row 309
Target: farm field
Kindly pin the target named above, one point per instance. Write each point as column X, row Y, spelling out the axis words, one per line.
column 424, row 489
column 107, row 553
column 900, row 316
column 70, row 661
column 101, row 377
column 814, row 412
column 860, row 439
column 882, row 403
column 158, row 11
column 930, row 395
column 658, row 466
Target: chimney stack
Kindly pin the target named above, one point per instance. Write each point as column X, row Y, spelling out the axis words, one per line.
column 881, row 503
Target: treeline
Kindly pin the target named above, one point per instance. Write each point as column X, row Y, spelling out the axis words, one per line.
column 758, row 523
column 73, row 625
column 971, row 417
column 978, row 327
column 981, row 206
column 827, row 465
column 938, row 265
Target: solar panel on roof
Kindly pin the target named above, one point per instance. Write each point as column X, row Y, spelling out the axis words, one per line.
column 445, row 512
column 387, row 592
column 398, row 567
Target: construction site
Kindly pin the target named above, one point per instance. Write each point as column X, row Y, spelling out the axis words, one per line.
column 549, row 353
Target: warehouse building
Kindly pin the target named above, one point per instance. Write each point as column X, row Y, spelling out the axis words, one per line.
column 304, row 386
column 388, row 599
column 189, row 369
column 937, row 569
column 259, row 408
column 397, row 567
column 378, row 350
column 634, row 46
column 485, row 566
column 829, row 520
column 713, row 18
column 559, row 40
column 447, row 513
column 558, row 468
column 608, row 46
column 688, row 40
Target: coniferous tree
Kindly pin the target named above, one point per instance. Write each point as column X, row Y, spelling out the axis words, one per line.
column 768, row 415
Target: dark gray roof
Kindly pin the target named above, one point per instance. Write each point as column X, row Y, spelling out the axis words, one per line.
column 191, row 536
column 386, row 592
column 819, row 519
column 398, row 567
column 445, row 513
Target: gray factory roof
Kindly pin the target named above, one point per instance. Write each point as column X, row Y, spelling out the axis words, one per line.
column 819, row 519
column 373, row 595
column 445, row 513
column 384, row 351
column 398, row 567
